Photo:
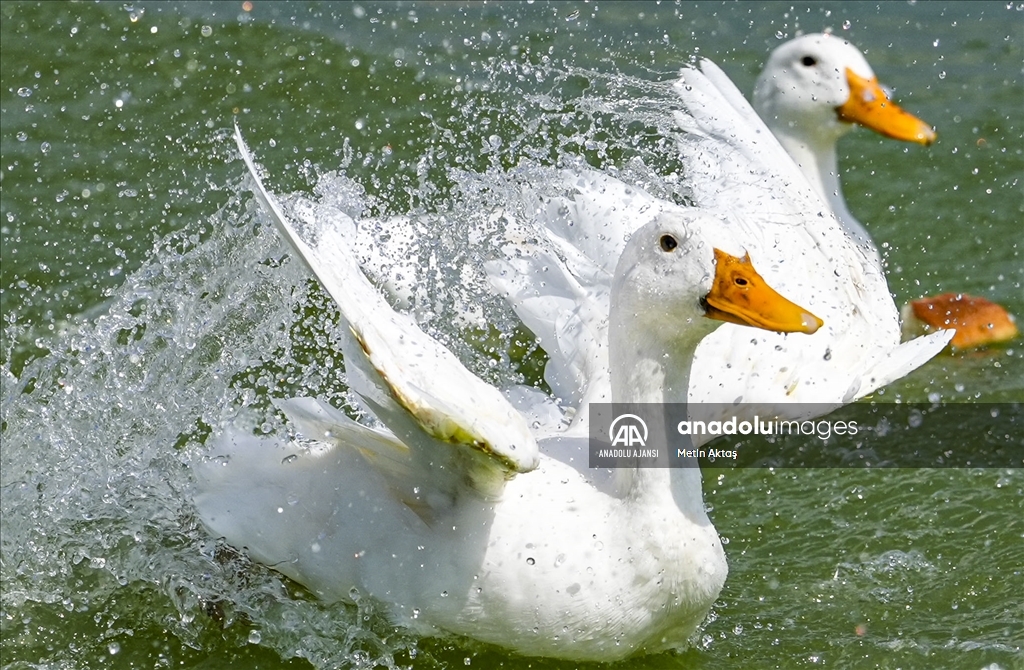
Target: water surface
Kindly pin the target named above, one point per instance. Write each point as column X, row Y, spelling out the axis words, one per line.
column 145, row 301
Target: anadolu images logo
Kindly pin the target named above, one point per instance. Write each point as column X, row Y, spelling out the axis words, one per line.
column 628, row 430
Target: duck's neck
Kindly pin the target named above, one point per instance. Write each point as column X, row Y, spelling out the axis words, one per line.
column 817, row 159
column 655, row 368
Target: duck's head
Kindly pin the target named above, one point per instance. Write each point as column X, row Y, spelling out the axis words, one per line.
column 817, row 86
column 671, row 274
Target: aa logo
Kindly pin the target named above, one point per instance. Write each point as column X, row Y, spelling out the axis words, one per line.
column 628, row 430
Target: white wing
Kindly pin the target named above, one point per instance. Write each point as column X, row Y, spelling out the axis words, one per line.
column 451, row 420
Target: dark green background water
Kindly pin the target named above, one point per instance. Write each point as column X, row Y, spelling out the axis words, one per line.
column 141, row 297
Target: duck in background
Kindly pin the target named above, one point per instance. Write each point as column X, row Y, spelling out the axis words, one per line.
column 811, row 92
column 737, row 170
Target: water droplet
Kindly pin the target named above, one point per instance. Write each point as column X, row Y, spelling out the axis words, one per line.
column 24, row 92
column 206, row 31
column 22, row 136
column 846, row 24
column 113, row 648
column 530, row 561
column 291, row 458
column 255, row 637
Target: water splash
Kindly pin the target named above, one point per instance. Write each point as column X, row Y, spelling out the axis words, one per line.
column 99, row 435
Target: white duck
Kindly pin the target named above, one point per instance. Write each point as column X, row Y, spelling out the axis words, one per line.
column 453, row 517
column 811, row 92
column 861, row 352
column 737, row 171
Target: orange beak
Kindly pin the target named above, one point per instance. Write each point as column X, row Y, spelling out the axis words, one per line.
column 740, row 295
column 870, row 107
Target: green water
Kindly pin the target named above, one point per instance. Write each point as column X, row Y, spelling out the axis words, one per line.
column 143, row 303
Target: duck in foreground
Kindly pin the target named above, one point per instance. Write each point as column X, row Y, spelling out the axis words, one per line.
column 812, row 91
column 453, row 517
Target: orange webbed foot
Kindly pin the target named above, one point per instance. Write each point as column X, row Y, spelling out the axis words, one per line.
column 978, row 322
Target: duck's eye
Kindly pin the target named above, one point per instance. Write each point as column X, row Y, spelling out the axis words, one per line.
column 740, row 281
column 668, row 243
column 809, row 61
